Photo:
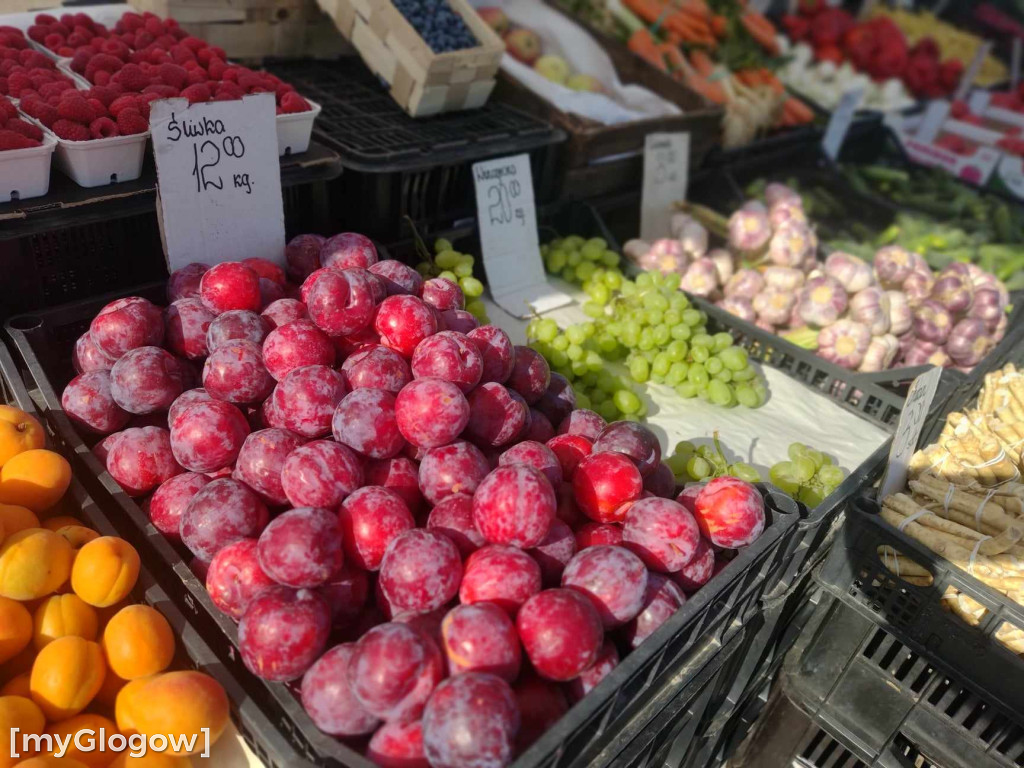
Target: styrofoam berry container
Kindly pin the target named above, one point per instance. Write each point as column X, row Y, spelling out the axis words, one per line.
column 98, row 162
column 25, row 173
column 295, row 129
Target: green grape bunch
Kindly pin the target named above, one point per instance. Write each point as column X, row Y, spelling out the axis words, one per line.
column 649, row 326
column 448, row 263
column 809, row 476
column 690, row 463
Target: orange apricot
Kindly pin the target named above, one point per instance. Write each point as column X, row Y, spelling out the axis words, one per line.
column 79, row 725
column 180, row 703
column 105, row 571
column 62, row 615
column 66, row 676
column 17, row 686
column 60, row 521
column 19, row 432
column 21, row 713
column 35, row 479
column 34, row 563
column 12, row 628
column 16, row 518
column 138, row 642
column 77, row 535
column 151, row 760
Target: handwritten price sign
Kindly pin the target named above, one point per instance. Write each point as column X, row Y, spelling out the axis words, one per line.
column 908, row 431
column 219, row 180
column 508, row 237
column 666, row 174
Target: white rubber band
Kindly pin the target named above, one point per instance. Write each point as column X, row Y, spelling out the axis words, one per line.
column 911, row 518
column 981, row 508
column 974, row 554
column 885, row 560
column 949, row 498
column 990, row 462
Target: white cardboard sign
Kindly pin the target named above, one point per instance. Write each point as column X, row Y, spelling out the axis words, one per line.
column 839, row 123
column 666, row 175
column 508, row 237
column 904, row 442
column 218, row 180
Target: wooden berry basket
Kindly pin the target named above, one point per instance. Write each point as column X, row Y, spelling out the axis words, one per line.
column 422, row 82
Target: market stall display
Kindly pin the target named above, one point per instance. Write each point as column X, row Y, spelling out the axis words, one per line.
column 354, row 492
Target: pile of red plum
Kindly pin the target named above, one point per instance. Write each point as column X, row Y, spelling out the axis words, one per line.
column 405, row 513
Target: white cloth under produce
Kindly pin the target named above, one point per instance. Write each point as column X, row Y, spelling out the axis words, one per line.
column 794, row 412
column 562, row 37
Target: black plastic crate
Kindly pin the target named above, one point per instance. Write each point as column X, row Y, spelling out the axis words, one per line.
column 741, row 702
column 855, row 573
column 880, row 696
column 83, row 260
column 191, row 648
column 397, row 166
column 625, row 708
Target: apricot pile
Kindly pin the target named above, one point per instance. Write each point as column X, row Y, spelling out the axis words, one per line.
column 76, row 652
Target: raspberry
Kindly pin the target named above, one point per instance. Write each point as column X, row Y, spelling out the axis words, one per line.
column 46, row 90
column 53, row 40
column 61, row 27
column 18, row 82
column 14, row 140
column 71, row 131
column 103, row 128
column 123, row 102
column 102, row 77
column 180, row 54
column 216, row 68
column 117, row 49
column 73, row 106
column 131, row 78
column 153, row 26
column 193, row 43
column 104, row 94
column 293, row 102
column 80, row 60
column 229, row 90
column 7, row 107
column 131, row 21
column 25, row 128
column 196, row 93
column 76, row 40
column 197, row 75
column 173, row 75
column 97, row 107
column 163, row 91
column 46, row 19
column 37, row 33
column 102, row 62
column 251, row 80
column 130, row 121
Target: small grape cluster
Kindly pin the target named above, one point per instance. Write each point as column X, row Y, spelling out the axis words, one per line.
column 809, row 476
column 440, row 27
column 690, row 463
column 648, row 325
column 457, row 267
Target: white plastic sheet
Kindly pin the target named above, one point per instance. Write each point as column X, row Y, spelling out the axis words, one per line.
column 562, row 37
column 793, row 412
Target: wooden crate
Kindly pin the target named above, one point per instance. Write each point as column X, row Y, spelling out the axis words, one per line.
column 422, row 82
column 250, row 30
column 25, row 6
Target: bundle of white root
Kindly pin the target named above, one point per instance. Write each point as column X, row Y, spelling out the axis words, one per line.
column 983, row 447
column 978, row 531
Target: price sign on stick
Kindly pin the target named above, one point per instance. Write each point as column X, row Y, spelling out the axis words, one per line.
column 904, row 442
column 666, row 173
column 839, row 123
column 508, row 237
column 1015, row 52
column 967, row 80
column 218, row 180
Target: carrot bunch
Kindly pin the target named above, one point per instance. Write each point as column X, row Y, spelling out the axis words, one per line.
column 684, row 21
